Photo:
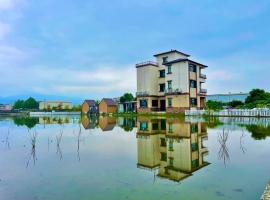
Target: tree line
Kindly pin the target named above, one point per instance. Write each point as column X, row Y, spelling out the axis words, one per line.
column 257, row 98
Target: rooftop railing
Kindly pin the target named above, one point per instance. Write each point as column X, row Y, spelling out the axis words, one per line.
column 203, row 91
column 142, row 94
column 146, row 63
column 172, row 91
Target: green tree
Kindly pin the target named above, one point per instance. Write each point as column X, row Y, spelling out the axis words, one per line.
column 19, row 104
column 256, row 95
column 214, row 105
column 236, row 103
column 31, row 103
column 127, row 97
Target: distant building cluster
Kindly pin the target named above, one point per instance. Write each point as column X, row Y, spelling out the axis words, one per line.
column 54, row 105
column 225, row 98
column 5, row 107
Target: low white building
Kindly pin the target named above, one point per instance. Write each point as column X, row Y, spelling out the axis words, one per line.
column 5, row 107
column 55, row 105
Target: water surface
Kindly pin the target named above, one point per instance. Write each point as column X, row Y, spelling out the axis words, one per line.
column 133, row 158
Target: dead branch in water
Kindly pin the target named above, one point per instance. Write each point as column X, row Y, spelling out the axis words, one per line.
column 33, row 140
column 241, row 143
column 223, row 150
column 58, row 142
column 78, row 143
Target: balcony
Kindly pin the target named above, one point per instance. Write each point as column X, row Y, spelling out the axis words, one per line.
column 203, row 76
column 172, row 91
column 142, row 94
column 203, row 91
column 146, row 63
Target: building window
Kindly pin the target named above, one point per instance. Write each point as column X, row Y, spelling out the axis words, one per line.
column 162, row 87
column 170, row 145
column 192, row 68
column 193, row 84
column 163, row 142
column 195, row 163
column 162, row 73
column 169, row 102
column 143, row 126
column 165, row 59
column 155, row 126
column 194, row 128
column 171, row 162
column 194, row 146
column 163, row 156
column 169, row 85
column 170, row 128
column 169, row 69
column 163, row 124
column 193, row 102
column 154, row 103
column 143, row 103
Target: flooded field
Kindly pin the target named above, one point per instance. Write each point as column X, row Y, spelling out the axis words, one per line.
column 133, row 158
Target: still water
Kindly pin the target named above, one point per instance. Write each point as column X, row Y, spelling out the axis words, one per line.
column 133, row 158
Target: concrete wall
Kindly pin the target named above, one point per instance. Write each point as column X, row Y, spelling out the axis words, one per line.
column 147, row 79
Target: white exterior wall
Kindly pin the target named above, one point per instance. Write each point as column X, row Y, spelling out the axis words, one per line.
column 171, row 57
column 147, row 79
column 179, row 77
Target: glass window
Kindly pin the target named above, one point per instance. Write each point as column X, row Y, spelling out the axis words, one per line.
column 193, row 102
column 143, row 103
column 154, row 103
column 170, row 145
column 169, row 85
column 194, row 163
column 165, row 59
column 171, row 162
column 155, row 126
column 163, row 142
column 193, row 84
column 169, row 102
column 194, row 147
column 194, row 128
column 169, row 69
column 162, row 73
column 163, row 124
column 170, row 128
column 192, row 68
column 162, row 87
column 143, row 126
column 163, row 156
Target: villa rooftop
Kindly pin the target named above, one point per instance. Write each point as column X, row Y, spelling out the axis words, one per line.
column 172, row 51
column 184, row 60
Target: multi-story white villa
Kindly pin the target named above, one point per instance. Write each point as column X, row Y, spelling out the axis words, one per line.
column 171, row 84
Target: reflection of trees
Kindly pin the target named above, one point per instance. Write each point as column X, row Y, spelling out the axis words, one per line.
column 29, row 122
column 33, row 140
column 223, row 153
column 258, row 132
column 212, row 122
column 128, row 124
column 58, row 142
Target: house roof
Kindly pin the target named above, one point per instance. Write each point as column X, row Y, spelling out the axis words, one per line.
column 183, row 60
column 109, row 102
column 90, row 102
column 171, row 51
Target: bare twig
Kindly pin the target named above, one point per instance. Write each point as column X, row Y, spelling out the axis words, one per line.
column 78, row 143
column 241, row 143
column 33, row 140
column 223, row 151
column 58, row 141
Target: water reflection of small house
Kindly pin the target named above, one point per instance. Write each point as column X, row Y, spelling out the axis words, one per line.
column 107, row 123
column 89, row 122
column 176, row 152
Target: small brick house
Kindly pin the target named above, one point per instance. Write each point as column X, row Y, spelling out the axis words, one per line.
column 89, row 107
column 107, row 106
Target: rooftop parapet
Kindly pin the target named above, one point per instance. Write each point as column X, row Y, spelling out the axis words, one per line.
column 142, row 64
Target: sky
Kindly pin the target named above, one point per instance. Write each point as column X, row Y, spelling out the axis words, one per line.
column 88, row 48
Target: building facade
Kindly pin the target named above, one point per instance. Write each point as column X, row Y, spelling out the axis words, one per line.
column 172, row 84
column 107, row 106
column 90, row 107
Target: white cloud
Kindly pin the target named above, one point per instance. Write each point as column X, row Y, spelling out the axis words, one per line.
column 68, row 82
column 9, row 4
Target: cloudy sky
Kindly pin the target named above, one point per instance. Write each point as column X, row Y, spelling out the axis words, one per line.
column 88, row 48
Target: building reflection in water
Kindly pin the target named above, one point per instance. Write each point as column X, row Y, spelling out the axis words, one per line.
column 173, row 147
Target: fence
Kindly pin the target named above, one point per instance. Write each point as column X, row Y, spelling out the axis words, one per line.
column 231, row 113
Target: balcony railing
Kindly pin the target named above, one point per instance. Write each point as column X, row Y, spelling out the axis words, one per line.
column 203, row 91
column 203, row 76
column 146, row 63
column 172, row 91
column 142, row 94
